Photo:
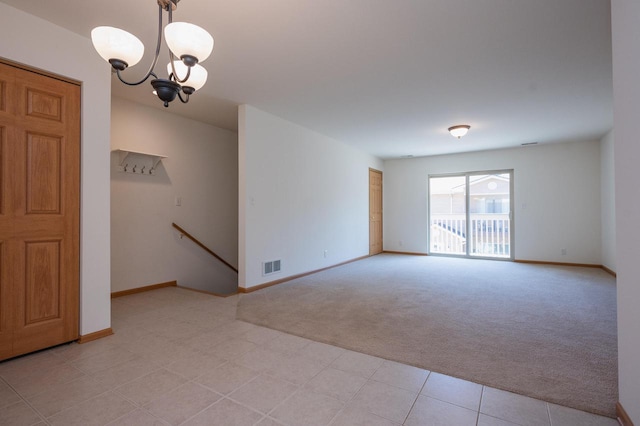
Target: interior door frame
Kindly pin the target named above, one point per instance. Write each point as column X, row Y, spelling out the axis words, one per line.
column 73, row 303
column 466, row 175
column 372, row 170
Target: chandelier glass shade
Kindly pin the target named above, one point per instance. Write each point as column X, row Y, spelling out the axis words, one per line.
column 114, row 43
column 188, row 46
column 185, row 39
column 197, row 77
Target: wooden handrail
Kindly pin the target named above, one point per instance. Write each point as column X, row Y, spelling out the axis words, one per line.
column 205, row 248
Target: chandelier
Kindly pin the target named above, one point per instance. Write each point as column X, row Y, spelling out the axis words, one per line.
column 189, row 45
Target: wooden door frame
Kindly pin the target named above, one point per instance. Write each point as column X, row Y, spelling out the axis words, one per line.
column 381, row 210
column 71, row 308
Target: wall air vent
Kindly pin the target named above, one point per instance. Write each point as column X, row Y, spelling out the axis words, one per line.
column 271, row 267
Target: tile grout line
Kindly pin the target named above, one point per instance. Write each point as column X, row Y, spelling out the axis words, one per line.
column 79, row 403
column 66, row 382
column 229, row 397
column 363, row 385
column 480, row 405
column 135, row 405
column 117, row 387
column 344, row 404
column 122, row 416
column 41, row 418
column 416, row 399
column 452, row 403
column 23, row 399
column 196, row 414
column 302, row 387
column 494, row 416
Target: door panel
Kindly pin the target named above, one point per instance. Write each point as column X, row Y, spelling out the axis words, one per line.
column 43, row 173
column 42, row 289
column 40, row 227
column 44, row 105
column 375, row 212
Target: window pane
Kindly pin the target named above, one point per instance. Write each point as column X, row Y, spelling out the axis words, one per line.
column 447, row 208
column 489, row 196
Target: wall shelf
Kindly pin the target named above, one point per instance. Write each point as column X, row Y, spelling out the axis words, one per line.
column 140, row 163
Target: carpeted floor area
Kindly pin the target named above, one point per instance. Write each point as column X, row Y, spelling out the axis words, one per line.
column 548, row 332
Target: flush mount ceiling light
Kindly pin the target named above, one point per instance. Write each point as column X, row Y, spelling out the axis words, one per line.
column 459, row 131
column 188, row 46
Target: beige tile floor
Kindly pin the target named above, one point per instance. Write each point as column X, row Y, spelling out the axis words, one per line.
column 180, row 357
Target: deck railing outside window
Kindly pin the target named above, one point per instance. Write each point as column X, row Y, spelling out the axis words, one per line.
column 489, row 234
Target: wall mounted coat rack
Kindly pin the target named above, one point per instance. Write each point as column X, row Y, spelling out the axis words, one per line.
column 139, row 163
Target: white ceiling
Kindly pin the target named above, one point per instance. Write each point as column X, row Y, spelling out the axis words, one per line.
column 385, row 76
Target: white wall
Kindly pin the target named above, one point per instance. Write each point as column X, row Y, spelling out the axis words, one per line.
column 608, row 199
column 40, row 44
column 556, row 199
column 201, row 169
column 300, row 193
column 626, row 110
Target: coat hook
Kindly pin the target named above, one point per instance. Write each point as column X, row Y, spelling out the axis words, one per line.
column 142, row 171
column 134, row 168
column 126, row 166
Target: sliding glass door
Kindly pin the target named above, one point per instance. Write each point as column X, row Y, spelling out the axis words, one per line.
column 448, row 215
column 470, row 214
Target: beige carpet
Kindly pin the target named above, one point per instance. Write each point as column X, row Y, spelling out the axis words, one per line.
column 548, row 332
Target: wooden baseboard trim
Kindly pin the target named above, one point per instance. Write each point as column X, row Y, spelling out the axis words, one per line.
column 143, row 289
column 543, row 262
column 609, row 271
column 207, row 292
column 411, row 253
column 623, row 417
column 95, row 335
column 583, row 265
column 293, row 277
column 536, row 262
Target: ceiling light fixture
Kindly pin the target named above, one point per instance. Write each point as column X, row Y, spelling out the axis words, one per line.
column 459, row 131
column 188, row 42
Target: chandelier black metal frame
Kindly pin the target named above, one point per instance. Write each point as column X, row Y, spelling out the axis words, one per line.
column 188, row 42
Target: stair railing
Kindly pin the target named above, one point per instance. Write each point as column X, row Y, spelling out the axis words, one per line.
column 205, row 248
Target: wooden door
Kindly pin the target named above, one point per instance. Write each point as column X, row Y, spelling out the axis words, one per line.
column 39, row 210
column 375, row 212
